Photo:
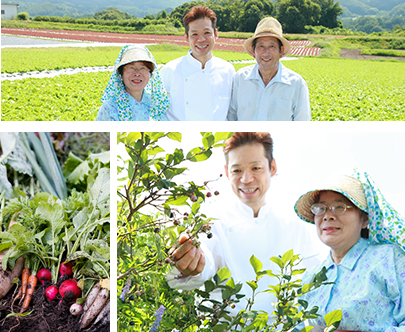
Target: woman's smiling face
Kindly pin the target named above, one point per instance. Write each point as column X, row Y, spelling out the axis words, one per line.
column 135, row 76
column 339, row 232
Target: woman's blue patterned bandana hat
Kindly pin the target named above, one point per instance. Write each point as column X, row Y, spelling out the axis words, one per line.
column 115, row 88
column 386, row 225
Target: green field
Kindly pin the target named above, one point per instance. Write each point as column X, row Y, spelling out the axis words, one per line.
column 340, row 89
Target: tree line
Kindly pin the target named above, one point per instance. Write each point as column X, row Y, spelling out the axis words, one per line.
column 232, row 15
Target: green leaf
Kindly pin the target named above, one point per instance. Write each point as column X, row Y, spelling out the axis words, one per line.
column 179, row 200
column 287, row 256
column 100, row 191
column 231, row 283
column 198, row 154
column 221, row 136
column 256, row 264
column 278, row 261
column 306, row 329
column 333, row 317
column 175, row 136
column 195, row 208
column 209, row 286
column 223, row 274
column 252, row 284
column 132, row 137
column 155, row 150
column 208, row 140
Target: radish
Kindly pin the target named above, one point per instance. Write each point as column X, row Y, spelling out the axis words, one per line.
column 51, row 292
column 66, row 268
column 70, row 289
column 44, row 274
column 75, row 309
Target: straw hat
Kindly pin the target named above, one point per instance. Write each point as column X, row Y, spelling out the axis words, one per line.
column 135, row 54
column 268, row 27
column 349, row 187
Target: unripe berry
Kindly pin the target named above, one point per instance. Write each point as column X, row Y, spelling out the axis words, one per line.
column 194, row 198
column 216, row 192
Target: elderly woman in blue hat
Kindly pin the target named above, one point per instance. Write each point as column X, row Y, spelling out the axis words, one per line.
column 366, row 264
column 135, row 91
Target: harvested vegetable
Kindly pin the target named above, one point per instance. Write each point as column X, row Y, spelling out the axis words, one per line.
column 91, row 297
column 32, row 282
column 70, row 288
column 6, row 277
column 98, row 304
column 103, row 313
column 75, row 309
column 66, row 268
column 51, row 292
column 24, row 279
column 44, row 274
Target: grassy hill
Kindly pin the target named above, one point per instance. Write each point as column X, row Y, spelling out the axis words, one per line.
column 80, row 8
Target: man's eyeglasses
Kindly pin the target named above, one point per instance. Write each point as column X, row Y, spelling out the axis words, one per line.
column 319, row 209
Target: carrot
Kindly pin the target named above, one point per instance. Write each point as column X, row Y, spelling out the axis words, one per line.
column 32, row 282
column 24, row 283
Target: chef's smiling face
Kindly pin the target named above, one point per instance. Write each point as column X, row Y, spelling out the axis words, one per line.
column 339, row 232
column 201, row 38
column 249, row 172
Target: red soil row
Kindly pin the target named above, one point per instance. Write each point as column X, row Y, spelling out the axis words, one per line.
column 227, row 44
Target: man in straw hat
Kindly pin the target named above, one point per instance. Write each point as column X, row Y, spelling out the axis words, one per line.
column 199, row 85
column 247, row 225
column 268, row 91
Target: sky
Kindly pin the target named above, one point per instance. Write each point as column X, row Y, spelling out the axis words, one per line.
column 308, row 156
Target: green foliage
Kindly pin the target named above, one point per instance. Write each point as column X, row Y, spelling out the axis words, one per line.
column 383, row 52
column 111, row 14
column 50, row 230
column 67, row 97
column 23, row 16
column 294, row 15
column 290, row 310
column 150, row 219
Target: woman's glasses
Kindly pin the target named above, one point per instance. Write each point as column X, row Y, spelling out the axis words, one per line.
column 319, row 209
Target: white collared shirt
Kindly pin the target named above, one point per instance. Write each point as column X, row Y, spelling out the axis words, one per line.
column 238, row 235
column 285, row 98
column 198, row 94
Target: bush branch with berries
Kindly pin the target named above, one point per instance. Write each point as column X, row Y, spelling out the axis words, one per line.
column 154, row 208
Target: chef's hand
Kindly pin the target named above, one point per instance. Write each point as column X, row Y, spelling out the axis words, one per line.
column 188, row 259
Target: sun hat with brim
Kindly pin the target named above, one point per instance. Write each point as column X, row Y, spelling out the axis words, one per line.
column 349, row 187
column 135, row 54
column 268, row 27
column 385, row 224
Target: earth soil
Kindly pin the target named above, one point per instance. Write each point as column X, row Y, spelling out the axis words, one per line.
column 44, row 316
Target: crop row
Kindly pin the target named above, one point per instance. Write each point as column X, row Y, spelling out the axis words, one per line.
column 340, row 89
column 15, row 60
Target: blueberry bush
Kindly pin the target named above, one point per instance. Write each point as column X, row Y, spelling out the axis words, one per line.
column 154, row 207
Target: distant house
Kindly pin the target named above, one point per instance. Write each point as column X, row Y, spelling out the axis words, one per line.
column 8, row 11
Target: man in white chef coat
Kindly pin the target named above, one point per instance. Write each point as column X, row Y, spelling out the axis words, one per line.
column 199, row 84
column 248, row 225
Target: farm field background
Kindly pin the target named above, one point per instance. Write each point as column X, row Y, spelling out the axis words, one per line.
column 340, row 89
